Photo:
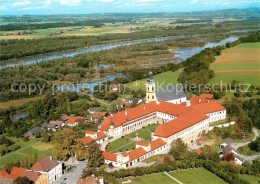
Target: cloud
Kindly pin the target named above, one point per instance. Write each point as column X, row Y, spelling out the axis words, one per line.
column 149, row 1
column 106, row 1
column 22, row 3
column 193, row 1
column 70, row 2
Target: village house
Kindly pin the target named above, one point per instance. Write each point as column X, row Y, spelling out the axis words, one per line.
column 35, row 177
column 91, row 180
column 97, row 117
column 74, row 121
column 227, row 148
column 90, row 136
column 47, row 165
column 93, row 110
column 134, row 100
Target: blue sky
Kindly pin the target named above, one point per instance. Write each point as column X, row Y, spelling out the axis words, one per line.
column 43, row 7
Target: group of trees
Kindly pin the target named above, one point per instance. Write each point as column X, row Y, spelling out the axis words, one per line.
column 66, row 144
column 43, row 110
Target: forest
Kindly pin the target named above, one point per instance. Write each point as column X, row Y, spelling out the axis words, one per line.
column 18, row 48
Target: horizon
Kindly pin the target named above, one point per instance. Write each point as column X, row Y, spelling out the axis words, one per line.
column 84, row 7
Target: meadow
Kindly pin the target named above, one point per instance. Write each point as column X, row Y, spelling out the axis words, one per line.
column 192, row 176
column 162, row 79
column 250, row 178
column 196, row 176
column 28, row 148
column 241, row 62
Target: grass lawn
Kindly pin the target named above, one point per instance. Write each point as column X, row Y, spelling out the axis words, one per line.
column 250, row 178
column 28, row 148
column 197, row 176
column 162, row 79
column 245, row 150
column 153, row 158
column 126, row 143
column 151, row 179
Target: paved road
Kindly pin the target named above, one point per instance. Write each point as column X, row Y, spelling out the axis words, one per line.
column 173, row 178
column 238, row 145
column 71, row 177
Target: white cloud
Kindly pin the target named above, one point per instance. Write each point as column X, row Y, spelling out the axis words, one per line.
column 149, row 1
column 106, row 1
column 22, row 3
column 226, row 3
column 193, row 1
column 70, row 2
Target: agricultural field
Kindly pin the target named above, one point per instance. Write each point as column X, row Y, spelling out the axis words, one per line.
column 28, row 148
column 162, row 79
column 241, row 63
column 127, row 143
column 250, row 178
column 17, row 103
column 196, row 176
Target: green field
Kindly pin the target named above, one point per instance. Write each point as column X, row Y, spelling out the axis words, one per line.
column 241, row 62
column 250, row 178
column 164, row 78
column 153, row 179
column 248, row 45
column 197, row 176
column 28, row 148
column 227, row 79
column 126, row 143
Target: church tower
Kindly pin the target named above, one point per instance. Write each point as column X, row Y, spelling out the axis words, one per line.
column 150, row 89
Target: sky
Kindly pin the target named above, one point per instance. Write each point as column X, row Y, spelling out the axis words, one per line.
column 46, row 7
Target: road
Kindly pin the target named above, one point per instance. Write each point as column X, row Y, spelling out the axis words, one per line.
column 71, row 177
column 238, row 145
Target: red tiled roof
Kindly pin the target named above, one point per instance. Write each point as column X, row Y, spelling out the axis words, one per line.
column 4, row 174
column 90, row 132
column 184, row 121
column 122, row 103
column 157, row 143
column 86, row 140
column 73, row 120
column 109, row 156
column 31, row 175
column 132, row 113
column 56, row 122
column 211, row 106
column 198, row 100
column 134, row 154
column 16, row 172
column 207, row 96
column 142, row 143
column 45, row 164
column 88, row 180
column 100, row 135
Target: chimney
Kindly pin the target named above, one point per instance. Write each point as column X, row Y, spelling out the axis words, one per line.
column 199, row 100
column 50, row 157
column 125, row 113
column 111, row 115
column 144, row 107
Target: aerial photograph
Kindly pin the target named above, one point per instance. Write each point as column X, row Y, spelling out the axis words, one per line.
column 129, row 91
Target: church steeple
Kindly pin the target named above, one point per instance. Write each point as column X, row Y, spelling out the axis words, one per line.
column 150, row 88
